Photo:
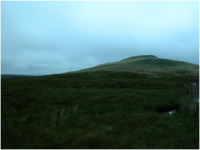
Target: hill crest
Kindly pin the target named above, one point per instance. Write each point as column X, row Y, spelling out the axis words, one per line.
column 147, row 63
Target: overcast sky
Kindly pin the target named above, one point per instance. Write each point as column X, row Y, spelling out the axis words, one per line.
column 60, row 36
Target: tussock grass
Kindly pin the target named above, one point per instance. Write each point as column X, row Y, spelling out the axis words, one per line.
column 187, row 101
column 189, row 105
column 103, row 109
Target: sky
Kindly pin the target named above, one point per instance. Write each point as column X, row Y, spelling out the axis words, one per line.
column 52, row 37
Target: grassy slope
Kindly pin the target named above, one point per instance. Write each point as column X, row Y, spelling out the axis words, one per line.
column 102, row 109
column 148, row 63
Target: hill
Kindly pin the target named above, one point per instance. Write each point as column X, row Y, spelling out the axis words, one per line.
column 102, row 109
column 147, row 63
column 13, row 76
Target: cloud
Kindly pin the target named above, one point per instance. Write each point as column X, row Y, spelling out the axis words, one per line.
column 68, row 36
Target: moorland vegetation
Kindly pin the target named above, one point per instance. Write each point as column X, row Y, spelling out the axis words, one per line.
column 110, row 109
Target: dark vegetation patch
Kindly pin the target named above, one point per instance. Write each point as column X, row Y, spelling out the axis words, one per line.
column 101, row 109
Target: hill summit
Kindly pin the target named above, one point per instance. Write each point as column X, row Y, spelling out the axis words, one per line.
column 141, row 56
column 148, row 63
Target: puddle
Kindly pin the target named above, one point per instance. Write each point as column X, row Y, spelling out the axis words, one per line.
column 171, row 112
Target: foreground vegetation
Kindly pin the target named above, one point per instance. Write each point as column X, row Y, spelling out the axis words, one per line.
column 103, row 109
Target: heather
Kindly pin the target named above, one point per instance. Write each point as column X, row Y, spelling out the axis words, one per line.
column 99, row 109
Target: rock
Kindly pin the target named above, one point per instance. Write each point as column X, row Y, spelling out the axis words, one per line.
column 195, row 90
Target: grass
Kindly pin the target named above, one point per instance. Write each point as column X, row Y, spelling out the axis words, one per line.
column 148, row 63
column 103, row 109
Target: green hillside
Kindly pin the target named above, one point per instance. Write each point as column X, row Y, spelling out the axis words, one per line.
column 148, row 63
column 99, row 110
column 119, row 109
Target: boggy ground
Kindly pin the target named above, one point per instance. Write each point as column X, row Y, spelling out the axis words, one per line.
column 102, row 109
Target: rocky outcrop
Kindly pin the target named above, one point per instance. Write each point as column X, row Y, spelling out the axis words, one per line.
column 195, row 90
